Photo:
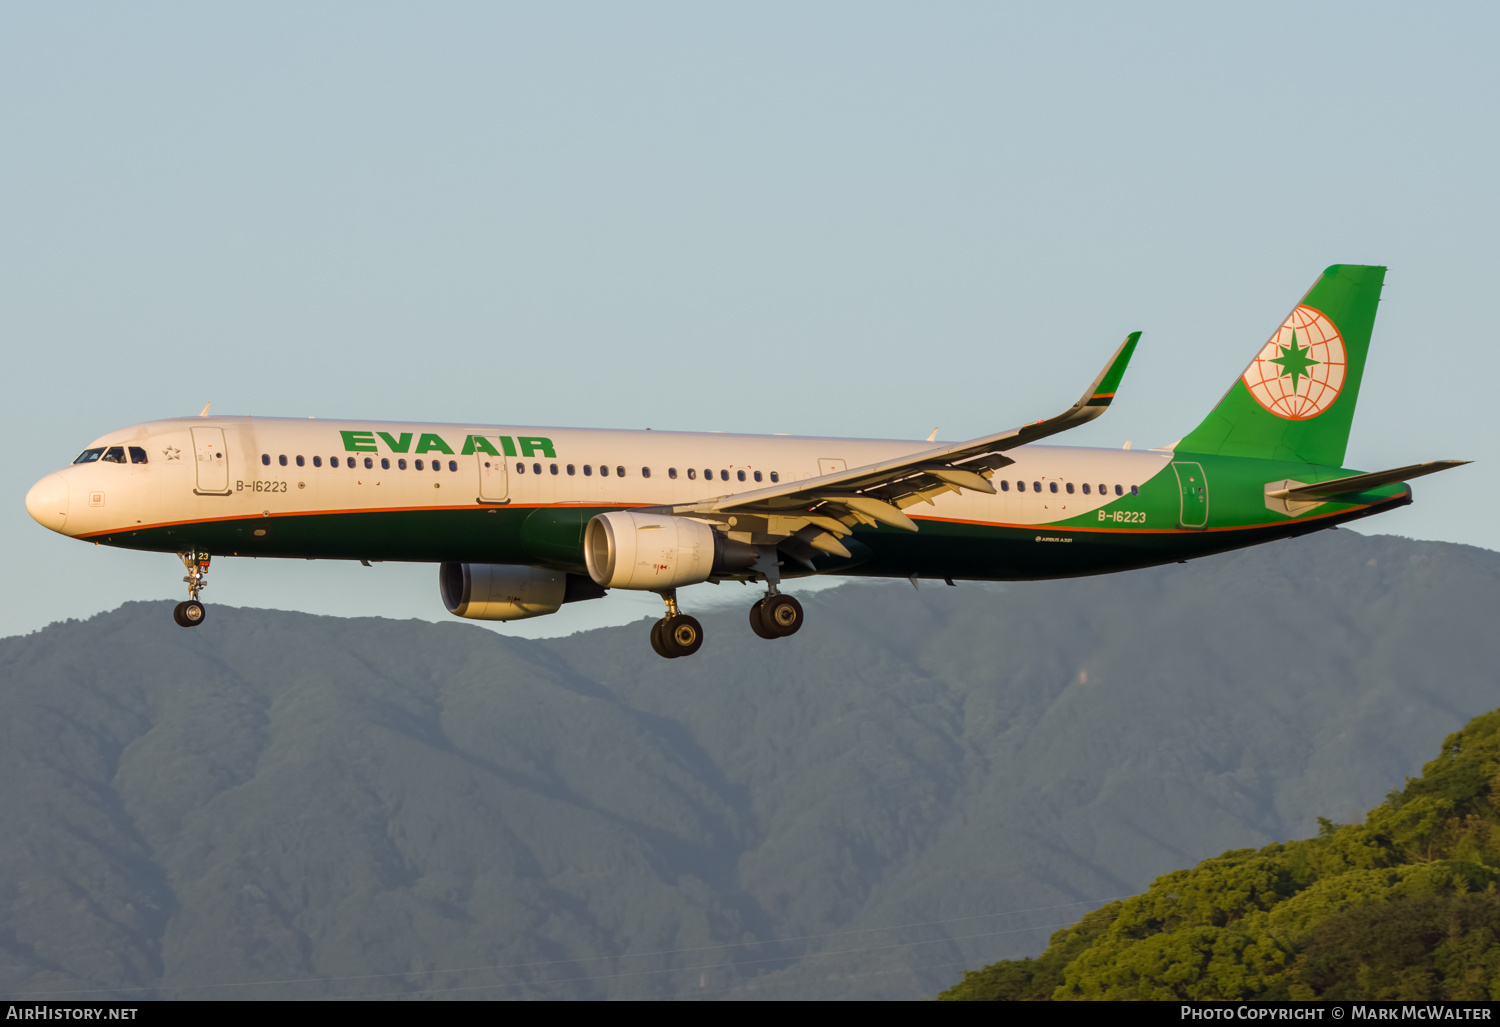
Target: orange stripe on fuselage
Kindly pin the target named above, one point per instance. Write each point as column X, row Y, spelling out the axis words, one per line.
column 351, row 510
column 1054, row 526
column 620, row 506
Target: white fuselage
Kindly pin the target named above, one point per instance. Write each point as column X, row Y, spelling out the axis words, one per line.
column 207, row 469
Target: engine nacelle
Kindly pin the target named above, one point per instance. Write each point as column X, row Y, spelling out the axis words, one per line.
column 628, row 549
column 501, row 591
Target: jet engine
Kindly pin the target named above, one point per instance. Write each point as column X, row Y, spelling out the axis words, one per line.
column 630, row 549
column 499, row 591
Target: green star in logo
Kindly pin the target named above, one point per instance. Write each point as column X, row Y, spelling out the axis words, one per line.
column 1294, row 361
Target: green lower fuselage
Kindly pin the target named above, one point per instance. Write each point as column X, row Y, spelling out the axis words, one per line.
column 1042, row 525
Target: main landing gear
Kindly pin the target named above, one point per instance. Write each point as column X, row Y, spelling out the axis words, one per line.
column 190, row 614
column 775, row 615
column 676, row 634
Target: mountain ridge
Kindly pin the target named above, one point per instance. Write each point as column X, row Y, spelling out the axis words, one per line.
column 277, row 796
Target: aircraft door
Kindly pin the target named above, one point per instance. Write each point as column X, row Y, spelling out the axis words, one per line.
column 1194, row 487
column 494, row 479
column 212, row 459
column 831, row 465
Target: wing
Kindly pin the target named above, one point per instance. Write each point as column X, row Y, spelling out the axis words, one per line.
column 817, row 512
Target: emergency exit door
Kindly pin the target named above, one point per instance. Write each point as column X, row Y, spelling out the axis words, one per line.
column 1194, row 488
column 212, row 460
column 494, row 479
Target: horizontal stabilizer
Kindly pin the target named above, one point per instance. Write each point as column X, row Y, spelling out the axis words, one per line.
column 1361, row 482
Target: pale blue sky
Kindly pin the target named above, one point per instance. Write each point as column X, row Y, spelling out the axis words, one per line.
column 841, row 219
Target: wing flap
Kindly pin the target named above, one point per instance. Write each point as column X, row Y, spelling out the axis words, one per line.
column 876, row 493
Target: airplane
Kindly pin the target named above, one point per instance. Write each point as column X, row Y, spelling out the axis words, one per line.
column 524, row 520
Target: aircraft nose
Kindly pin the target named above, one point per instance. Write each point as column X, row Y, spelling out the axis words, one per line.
column 47, row 502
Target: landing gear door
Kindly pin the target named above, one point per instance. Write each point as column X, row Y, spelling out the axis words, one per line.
column 1194, row 489
column 494, row 482
column 212, row 459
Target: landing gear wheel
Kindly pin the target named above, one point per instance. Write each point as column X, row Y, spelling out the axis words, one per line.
column 781, row 614
column 681, row 635
column 757, row 620
column 189, row 614
column 656, row 641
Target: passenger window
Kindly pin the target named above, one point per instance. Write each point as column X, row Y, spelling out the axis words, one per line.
column 603, row 471
column 1135, row 490
column 645, row 472
column 1103, row 490
column 692, row 474
column 282, row 460
column 137, row 455
column 724, row 475
column 1004, row 485
column 1036, row 486
column 265, row 458
column 740, row 475
column 1085, row 488
column 1119, row 491
column 672, row 473
column 401, row 465
column 1020, row 486
column 1052, row 486
column 536, row 468
column 572, row 470
column 452, row 465
column 115, row 455
column 757, row 476
column 520, row 468
column 552, row 468
column 88, row 456
column 588, row 470
column 775, row 477
column 317, row 461
column 708, row 475
column 333, row 461
column 619, row 472
column 301, row 462
column 1070, row 488
column 385, row 463
column 369, row 464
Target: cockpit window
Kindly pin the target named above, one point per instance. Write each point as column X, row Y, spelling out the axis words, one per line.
column 114, row 455
column 137, row 455
column 88, row 456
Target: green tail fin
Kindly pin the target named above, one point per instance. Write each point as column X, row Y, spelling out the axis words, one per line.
column 1296, row 399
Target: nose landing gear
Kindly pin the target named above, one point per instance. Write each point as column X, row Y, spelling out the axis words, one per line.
column 190, row 614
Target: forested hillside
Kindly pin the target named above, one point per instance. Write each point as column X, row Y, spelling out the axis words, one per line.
column 919, row 782
column 1403, row 906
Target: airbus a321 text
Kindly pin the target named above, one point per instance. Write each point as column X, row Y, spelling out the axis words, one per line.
column 522, row 520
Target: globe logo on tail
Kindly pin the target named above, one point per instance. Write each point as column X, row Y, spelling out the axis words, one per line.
column 1299, row 372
